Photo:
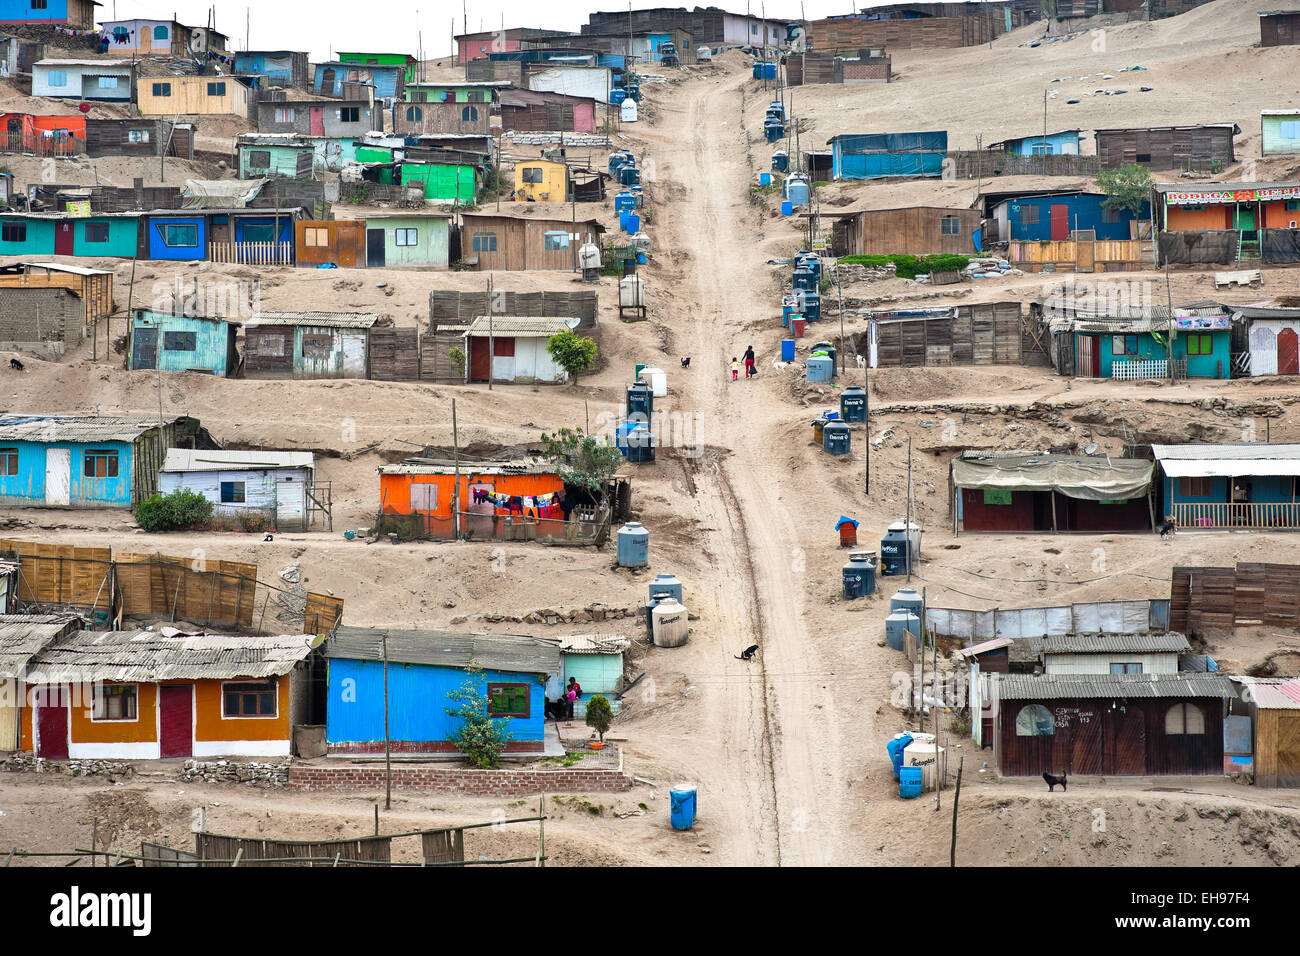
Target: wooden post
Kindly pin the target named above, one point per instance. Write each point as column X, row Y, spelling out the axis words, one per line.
column 541, row 831
column 907, row 523
column 94, row 838
column 388, row 756
column 455, row 488
column 1053, row 494
column 952, row 849
column 491, row 342
column 920, row 650
column 376, row 819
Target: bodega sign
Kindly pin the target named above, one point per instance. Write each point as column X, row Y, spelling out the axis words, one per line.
column 1263, row 194
column 76, row 910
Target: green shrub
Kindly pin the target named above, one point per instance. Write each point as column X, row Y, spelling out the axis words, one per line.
column 599, row 715
column 482, row 739
column 174, row 512
column 909, row 267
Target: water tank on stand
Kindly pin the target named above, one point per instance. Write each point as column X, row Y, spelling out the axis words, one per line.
column 631, row 296
column 859, row 574
column 893, row 548
column 819, row 368
column 633, row 546
column 853, row 404
column 780, row 161
column 797, row 190
column 670, row 624
column 896, row 624
column 628, row 111
column 837, row 438
column 656, row 378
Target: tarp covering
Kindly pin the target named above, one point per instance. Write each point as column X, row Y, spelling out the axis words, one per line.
column 1089, row 479
column 1279, row 245
column 1209, row 246
column 220, row 193
column 893, row 142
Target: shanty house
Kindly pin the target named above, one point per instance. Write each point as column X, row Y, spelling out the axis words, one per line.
column 22, row 637
column 263, row 155
column 50, row 319
column 136, row 136
column 1047, row 492
column 145, row 695
column 1280, row 129
column 194, row 96
column 419, row 240
column 596, row 662
column 589, row 82
column 1146, row 653
column 881, row 155
column 513, row 349
column 1206, row 147
column 83, row 79
column 1135, row 342
column 443, row 182
column 165, row 38
column 417, row 119
column 57, row 461
column 338, row 241
column 1055, row 215
column 1273, row 704
column 531, row 111
column 1279, row 28
column 308, row 344
column 280, row 67
column 69, row 234
column 1245, row 485
column 466, row 92
column 422, row 668
column 43, row 135
column 77, row 14
column 277, row 485
column 182, row 343
column 1266, row 341
column 514, row 243
column 1111, row 724
column 914, row 230
column 388, row 80
column 343, row 119
column 541, row 180
column 404, row 61
column 1203, row 223
column 93, row 286
column 1063, row 143
column 477, row 46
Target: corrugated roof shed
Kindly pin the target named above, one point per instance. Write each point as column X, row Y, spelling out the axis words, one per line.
column 332, row 320
column 514, row 326
column 1272, row 693
column 984, row 648
column 443, row 466
column 60, row 267
column 87, row 656
column 591, row 643
column 22, row 636
column 1228, row 460
column 499, row 652
column 52, row 428
column 185, row 459
column 1170, row 642
column 1116, row 686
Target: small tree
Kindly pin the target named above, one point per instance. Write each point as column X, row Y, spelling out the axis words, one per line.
column 572, row 352
column 180, row 509
column 481, row 738
column 581, row 460
column 1126, row 188
column 457, row 357
column 599, row 716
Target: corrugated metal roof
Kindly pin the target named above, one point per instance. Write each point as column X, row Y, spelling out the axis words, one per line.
column 185, row 459
column 1227, row 460
column 83, row 62
column 499, row 652
column 590, row 643
column 60, row 267
column 516, row 326
column 1117, row 686
column 987, row 646
column 1129, row 129
column 331, row 320
column 23, row 635
column 1215, row 186
column 1272, row 693
column 52, row 428
column 444, row 466
column 1263, row 312
column 1168, row 643
column 87, row 656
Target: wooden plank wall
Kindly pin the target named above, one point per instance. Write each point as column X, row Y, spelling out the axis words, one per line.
column 989, row 333
column 930, row 33
column 322, row 614
column 435, row 361
column 212, row 846
column 464, row 307
column 1223, row 598
column 63, row 574
column 394, row 355
column 989, row 163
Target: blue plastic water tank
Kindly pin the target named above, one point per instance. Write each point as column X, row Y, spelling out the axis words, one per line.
column 666, row 584
column 896, row 624
column 619, row 158
column 907, row 599
column 769, row 71
column 820, row 368
column 773, row 132
column 853, row 404
column 858, row 575
column 837, row 438
column 633, row 546
column 777, row 107
column 909, row 782
column 640, row 444
column 780, row 161
column 628, row 175
column 625, row 201
column 897, row 744
column 632, row 224
column 758, row 69
column 811, row 261
column 797, row 190
column 617, row 95
column 803, row 280
column 640, row 401
column 787, row 350
column 620, row 436
column 786, row 208
column 765, row 179
column 681, row 799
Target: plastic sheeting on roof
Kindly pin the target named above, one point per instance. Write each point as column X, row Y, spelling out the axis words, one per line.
column 220, row 193
column 1088, row 479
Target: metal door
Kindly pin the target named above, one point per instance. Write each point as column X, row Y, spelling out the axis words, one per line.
column 1288, row 353
column 1060, row 214
column 58, row 476
column 63, row 239
column 374, row 247
column 144, row 351
column 291, row 504
column 317, row 121
column 52, row 722
column 480, row 360
column 176, row 720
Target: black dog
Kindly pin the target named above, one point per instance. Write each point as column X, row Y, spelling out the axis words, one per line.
column 686, row 362
column 16, row 365
column 1168, row 527
column 1053, row 781
column 748, row 653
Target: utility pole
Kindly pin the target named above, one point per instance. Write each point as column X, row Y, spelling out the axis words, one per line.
column 491, row 338
column 388, row 755
column 866, row 419
column 1169, row 300
column 920, row 652
column 952, row 850
column 455, row 489
column 907, row 525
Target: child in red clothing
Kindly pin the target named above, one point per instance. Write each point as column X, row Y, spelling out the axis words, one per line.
column 735, row 370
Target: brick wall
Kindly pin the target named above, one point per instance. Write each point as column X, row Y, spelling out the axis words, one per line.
column 874, row 69
column 488, row 783
column 41, row 315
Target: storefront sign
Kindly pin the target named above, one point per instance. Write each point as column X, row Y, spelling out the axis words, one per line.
column 1265, row 194
column 1202, row 323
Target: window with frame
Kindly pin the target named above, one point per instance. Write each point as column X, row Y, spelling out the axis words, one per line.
column 1292, row 205
column 40, row 4
column 249, row 699
column 116, row 702
column 97, row 232
column 950, row 226
column 1289, row 129
column 1200, row 343
column 1195, row 487
column 162, row 89
column 317, row 346
column 1040, row 149
column 317, row 237
column 107, row 82
column 217, row 89
column 100, row 463
column 424, row 496
column 485, row 242
column 555, row 241
column 1035, row 720
column 58, row 78
column 1184, row 720
column 232, row 492
column 180, row 341
column 137, row 136
column 180, row 235
column 1125, row 668
column 1141, row 158
column 532, row 174
column 507, row 700
column 1121, row 345
column 13, row 232
column 349, row 114
column 259, row 159
column 469, row 114
column 414, row 114
column 161, row 33
column 406, row 237
column 1029, row 215
column 8, row 462
column 284, row 114
column 1110, row 214
column 259, row 232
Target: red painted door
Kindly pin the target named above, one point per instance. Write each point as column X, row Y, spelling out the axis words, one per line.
column 176, row 720
column 63, row 239
column 1060, row 221
column 480, row 360
column 317, row 121
column 1288, row 352
column 52, row 724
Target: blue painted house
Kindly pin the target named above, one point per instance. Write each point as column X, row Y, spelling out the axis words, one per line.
column 280, row 67
column 103, row 235
column 1241, row 485
column 78, row 14
column 55, row 461
column 1063, row 143
column 1040, row 216
column 881, row 155
column 423, row 667
column 389, row 81
column 176, row 237
column 182, row 343
column 1135, row 344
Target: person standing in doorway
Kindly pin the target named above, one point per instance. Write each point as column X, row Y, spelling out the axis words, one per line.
column 750, row 371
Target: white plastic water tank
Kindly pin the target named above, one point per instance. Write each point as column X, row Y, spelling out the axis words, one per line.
column 704, row 53
column 589, row 256
column 631, row 292
column 669, row 622
column 628, row 111
column 656, row 378
column 641, row 243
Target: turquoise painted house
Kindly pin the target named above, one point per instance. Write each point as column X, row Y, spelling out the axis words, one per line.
column 61, row 234
column 53, row 461
column 263, row 155
column 105, row 236
column 422, row 240
column 1241, row 485
column 1062, row 143
column 182, row 343
column 423, row 668
column 1138, row 348
column 1281, row 131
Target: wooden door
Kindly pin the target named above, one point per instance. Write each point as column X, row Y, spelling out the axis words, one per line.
column 317, row 121
column 1288, row 749
column 1288, row 353
column 374, row 247
column 52, row 723
column 176, row 720
column 1085, row 256
column 63, row 239
column 346, row 243
column 480, row 360
column 1083, row 360
column 1128, row 756
column 1060, row 214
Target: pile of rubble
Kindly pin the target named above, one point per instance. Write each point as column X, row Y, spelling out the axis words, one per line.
column 988, row 269
column 855, row 272
column 223, row 771
column 582, row 615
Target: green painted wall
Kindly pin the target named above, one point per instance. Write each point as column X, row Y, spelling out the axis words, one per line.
column 39, row 237
column 1275, row 141
column 123, row 238
column 284, row 161
column 431, row 241
column 441, row 182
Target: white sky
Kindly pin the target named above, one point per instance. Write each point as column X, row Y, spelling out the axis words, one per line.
column 390, row 26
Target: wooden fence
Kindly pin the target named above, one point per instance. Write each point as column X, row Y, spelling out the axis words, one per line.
column 394, row 354
column 39, row 144
column 464, row 307
column 1238, row 516
column 1225, row 598
column 992, row 163
column 1076, row 255
column 994, row 333
column 251, row 253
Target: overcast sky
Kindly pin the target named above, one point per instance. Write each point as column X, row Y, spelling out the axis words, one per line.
column 390, row 26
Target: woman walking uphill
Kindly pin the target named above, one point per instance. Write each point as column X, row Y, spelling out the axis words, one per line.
column 750, row 370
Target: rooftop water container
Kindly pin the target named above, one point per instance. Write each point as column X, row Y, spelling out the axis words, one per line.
column 906, row 599
column 859, row 574
column 853, row 404
column 780, row 161
column 670, row 624
column 893, row 548
column 896, row 624
column 628, row 111
column 797, row 191
column 820, row 368
column 656, row 378
column 633, row 546
column 837, row 438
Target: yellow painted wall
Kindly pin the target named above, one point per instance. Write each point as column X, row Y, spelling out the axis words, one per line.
column 554, row 184
column 210, row 725
column 189, row 97
column 144, row 729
